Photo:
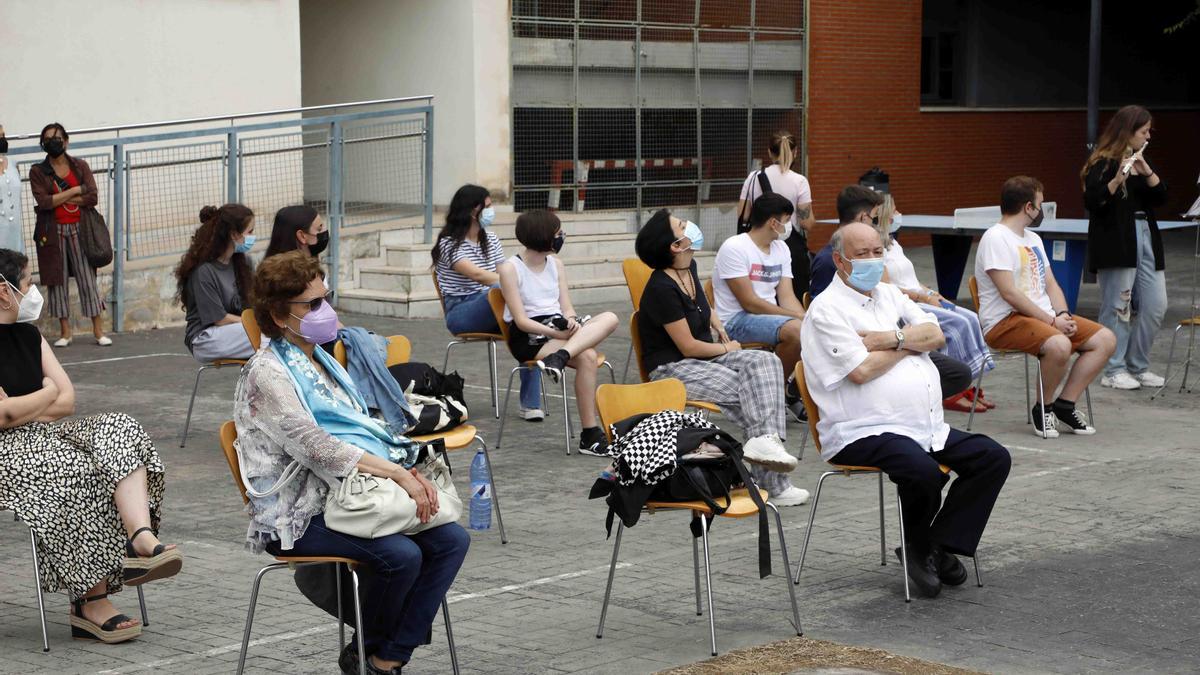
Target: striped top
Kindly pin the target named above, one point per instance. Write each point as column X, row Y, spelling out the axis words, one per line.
column 453, row 283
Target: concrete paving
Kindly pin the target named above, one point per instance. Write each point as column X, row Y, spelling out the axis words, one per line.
column 1089, row 563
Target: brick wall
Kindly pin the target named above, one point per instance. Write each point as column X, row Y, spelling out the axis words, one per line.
column 863, row 111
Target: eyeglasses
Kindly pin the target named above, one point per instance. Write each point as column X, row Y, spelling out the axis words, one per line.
column 315, row 303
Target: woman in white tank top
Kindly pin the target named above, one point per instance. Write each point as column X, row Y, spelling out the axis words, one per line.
column 542, row 324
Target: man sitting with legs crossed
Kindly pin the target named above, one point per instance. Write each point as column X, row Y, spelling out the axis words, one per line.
column 867, row 367
column 1021, row 307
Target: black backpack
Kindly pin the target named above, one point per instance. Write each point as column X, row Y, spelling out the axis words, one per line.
column 764, row 184
column 435, row 398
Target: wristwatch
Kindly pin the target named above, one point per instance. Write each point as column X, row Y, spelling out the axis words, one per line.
column 899, row 339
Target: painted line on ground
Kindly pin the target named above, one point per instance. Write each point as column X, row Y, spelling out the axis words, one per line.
column 121, row 358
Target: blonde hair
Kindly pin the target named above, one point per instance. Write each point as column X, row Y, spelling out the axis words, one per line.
column 886, row 211
column 1113, row 144
column 783, row 150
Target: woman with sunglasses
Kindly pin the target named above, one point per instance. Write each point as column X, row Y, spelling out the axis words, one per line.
column 213, row 281
column 294, row 403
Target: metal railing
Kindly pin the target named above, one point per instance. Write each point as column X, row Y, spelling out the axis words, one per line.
column 358, row 163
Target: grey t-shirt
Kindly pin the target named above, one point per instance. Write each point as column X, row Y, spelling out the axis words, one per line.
column 211, row 294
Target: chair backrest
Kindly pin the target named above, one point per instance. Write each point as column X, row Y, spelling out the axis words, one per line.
column 708, row 293
column 637, row 275
column 635, row 337
column 496, row 300
column 810, row 406
column 806, row 300
column 619, row 401
column 252, row 330
column 228, row 436
column 399, row 350
column 974, row 286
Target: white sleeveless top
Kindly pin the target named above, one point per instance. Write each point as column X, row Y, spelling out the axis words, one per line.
column 539, row 290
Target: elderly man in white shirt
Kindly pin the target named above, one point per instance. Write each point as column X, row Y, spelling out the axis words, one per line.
column 866, row 362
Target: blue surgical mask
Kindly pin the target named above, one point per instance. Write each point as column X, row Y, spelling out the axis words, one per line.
column 897, row 220
column 693, row 232
column 866, row 273
column 245, row 244
column 486, row 216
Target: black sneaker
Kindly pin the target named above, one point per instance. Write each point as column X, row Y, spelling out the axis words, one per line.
column 1044, row 423
column 922, row 572
column 949, row 568
column 555, row 363
column 348, row 659
column 592, row 442
column 1073, row 420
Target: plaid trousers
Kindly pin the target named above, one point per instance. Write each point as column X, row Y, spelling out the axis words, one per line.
column 75, row 264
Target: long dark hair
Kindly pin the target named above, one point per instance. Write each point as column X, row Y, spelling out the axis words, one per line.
column 1113, row 144
column 288, row 221
column 209, row 242
column 458, row 221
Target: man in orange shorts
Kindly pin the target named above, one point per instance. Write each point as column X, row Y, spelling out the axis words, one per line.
column 1021, row 307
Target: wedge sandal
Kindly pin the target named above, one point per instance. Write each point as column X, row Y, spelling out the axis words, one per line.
column 108, row 633
column 160, row 564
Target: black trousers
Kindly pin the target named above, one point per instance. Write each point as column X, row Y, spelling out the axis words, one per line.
column 797, row 244
column 980, row 464
column 955, row 375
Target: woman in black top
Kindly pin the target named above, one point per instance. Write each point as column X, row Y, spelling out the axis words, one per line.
column 90, row 488
column 1124, row 246
column 676, row 327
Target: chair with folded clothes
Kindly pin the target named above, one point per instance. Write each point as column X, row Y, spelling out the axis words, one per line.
column 228, row 439
column 621, row 401
column 814, row 417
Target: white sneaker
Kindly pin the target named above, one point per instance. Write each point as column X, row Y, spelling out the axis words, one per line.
column 104, row 341
column 533, row 414
column 768, row 451
column 793, row 496
column 62, row 342
column 1121, row 380
column 1149, row 379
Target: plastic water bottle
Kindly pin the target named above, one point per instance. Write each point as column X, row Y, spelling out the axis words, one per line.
column 481, row 494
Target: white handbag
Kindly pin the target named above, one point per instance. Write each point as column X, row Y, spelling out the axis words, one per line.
column 369, row 506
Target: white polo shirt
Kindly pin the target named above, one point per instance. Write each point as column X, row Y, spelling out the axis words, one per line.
column 906, row 400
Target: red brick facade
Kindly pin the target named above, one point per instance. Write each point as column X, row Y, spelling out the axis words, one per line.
column 864, row 110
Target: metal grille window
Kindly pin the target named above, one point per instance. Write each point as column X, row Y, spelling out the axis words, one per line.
column 641, row 104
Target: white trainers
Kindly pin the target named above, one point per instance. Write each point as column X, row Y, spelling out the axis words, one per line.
column 768, row 451
column 62, row 342
column 1120, row 380
column 104, row 341
column 533, row 414
column 793, row 496
column 1149, row 379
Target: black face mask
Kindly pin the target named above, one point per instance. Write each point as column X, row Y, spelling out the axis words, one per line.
column 1037, row 222
column 54, row 147
column 3, row 145
column 322, row 242
column 557, row 244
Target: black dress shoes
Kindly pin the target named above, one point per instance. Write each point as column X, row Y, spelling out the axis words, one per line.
column 949, row 568
column 923, row 572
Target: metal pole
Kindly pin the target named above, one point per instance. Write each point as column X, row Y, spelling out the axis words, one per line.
column 231, row 171
column 699, row 108
column 637, row 110
column 117, row 217
column 575, row 110
column 428, row 176
column 1093, row 91
column 750, row 90
column 335, row 202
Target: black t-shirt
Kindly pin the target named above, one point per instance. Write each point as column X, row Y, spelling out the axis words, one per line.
column 21, row 364
column 663, row 302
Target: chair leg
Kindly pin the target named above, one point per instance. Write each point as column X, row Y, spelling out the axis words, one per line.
column 566, row 409
column 628, row 360
column 1171, row 355
column 142, row 606
column 978, row 579
column 882, row 527
column 1028, row 405
column 337, row 574
column 492, row 486
column 450, row 637
column 978, row 385
column 504, row 413
column 1087, row 394
column 787, row 569
column 37, row 579
column 358, row 623
column 250, row 612
column 812, row 515
column 696, row 572
column 446, row 359
column 611, row 373
column 612, row 569
column 903, row 546
column 712, row 626
column 1041, row 398
column 495, row 376
column 191, row 403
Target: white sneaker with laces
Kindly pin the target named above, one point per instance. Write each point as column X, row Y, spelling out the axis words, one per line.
column 1149, row 379
column 793, row 496
column 533, row 414
column 1049, row 423
column 104, row 341
column 768, row 451
column 62, row 342
column 1120, row 380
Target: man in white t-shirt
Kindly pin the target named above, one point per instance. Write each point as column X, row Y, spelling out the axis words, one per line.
column 752, row 298
column 1022, row 308
column 868, row 371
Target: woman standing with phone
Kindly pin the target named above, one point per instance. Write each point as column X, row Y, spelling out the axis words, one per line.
column 1125, row 251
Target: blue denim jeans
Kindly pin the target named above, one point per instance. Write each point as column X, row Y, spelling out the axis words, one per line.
column 473, row 314
column 1133, row 301
column 409, row 577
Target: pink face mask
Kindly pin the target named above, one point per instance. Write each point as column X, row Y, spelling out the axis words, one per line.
column 318, row 326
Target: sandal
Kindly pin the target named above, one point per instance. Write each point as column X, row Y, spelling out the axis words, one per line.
column 962, row 403
column 108, row 633
column 160, row 564
column 979, row 398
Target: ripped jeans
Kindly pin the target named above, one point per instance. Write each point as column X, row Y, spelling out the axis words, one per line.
column 1133, row 301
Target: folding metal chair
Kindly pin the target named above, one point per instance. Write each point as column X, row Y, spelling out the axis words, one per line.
column 464, row 338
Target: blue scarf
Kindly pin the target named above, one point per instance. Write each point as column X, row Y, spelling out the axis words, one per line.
column 348, row 422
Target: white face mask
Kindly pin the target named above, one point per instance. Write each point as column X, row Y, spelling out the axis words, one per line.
column 787, row 229
column 30, row 307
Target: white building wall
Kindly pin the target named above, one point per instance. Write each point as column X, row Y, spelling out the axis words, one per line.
column 456, row 50
column 127, row 61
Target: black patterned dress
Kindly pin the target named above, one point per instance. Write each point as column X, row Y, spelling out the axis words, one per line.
column 59, row 478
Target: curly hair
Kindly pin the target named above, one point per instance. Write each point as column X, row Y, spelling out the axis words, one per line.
column 210, row 241
column 279, row 279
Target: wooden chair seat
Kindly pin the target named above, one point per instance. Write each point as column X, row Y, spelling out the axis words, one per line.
column 873, row 469
column 455, row 439
column 1194, row 321
column 227, row 362
column 477, row 337
column 741, row 505
column 317, row 559
column 703, row 405
column 600, row 359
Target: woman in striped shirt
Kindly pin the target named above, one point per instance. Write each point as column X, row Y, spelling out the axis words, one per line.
column 465, row 257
